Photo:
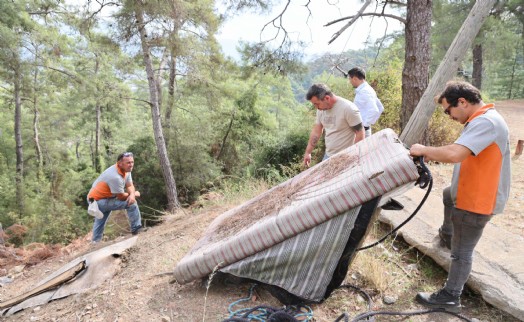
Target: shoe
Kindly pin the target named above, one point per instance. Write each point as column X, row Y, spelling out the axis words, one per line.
column 445, row 239
column 440, row 300
column 140, row 230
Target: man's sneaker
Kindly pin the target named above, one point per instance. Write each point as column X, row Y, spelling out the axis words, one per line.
column 445, row 239
column 440, row 300
column 140, row 230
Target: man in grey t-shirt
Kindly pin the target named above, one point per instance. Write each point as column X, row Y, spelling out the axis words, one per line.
column 338, row 117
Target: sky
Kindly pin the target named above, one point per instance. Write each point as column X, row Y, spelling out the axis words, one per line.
column 247, row 27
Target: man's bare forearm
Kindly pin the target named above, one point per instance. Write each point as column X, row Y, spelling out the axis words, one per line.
column 313, row 140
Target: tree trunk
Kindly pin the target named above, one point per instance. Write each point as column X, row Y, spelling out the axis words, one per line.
column 36, row 134
column 477, row 66
column 414, row 130
column 415, row 75
column 512, row 80
column 19, row 176
column 223, row 146
column 167, row 173
column 2, row 241
column 97, row 158
column 36, row 139
column 170, row 97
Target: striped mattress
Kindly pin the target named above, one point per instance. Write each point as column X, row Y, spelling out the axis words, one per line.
column 294, row 234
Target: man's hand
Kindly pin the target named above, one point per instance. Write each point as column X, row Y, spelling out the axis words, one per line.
column 131, row 200
column 137, row 194
column 307, row 160
column 417, row 150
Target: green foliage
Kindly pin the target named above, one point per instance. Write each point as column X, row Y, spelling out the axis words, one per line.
column 282, row 61
column 57, row 223
column 388, row 85
column 441, row 130
column 13, row 15
column 281, row 157
column 246, row 120
column 192, row 166
column 51, row 218
column 501, row 40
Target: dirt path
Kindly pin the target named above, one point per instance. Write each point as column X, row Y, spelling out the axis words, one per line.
column 513, row 219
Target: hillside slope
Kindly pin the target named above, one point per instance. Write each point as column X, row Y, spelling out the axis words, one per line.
column 141, row 289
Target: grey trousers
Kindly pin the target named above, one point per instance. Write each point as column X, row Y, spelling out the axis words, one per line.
column 466, row 228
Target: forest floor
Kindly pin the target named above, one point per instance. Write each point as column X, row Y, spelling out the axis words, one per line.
column 141, row 289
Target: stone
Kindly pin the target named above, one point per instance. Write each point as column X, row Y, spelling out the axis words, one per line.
column 498, row 265
column 388, row 299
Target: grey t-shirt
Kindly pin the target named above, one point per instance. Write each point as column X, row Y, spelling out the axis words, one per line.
column 338, row 122
column 479, row 134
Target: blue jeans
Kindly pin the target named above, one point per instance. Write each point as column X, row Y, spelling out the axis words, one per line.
column 466, row 229
column 108, row 205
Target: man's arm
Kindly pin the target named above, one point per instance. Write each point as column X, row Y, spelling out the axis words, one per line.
column 131, row 199
column 452, row 153
column 316, row 132
column 359, row 132
column 130, row 195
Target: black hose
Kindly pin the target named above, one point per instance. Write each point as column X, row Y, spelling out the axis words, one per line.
column 424, row 180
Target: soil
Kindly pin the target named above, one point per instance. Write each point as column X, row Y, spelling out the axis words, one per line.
column 141, row 290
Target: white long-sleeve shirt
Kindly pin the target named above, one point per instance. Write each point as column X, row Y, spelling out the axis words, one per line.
column 368, row 103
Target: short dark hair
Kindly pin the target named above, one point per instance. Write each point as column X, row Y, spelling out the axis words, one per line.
column 124, row 155
column 457, row 89
column 318, row 90
column 360, row 73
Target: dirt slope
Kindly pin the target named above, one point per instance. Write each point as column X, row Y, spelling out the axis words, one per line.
column 141, row 290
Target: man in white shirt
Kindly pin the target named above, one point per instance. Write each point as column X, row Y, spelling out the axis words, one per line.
column 365, row 98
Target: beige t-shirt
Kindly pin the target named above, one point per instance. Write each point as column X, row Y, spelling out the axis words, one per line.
column 337, row 123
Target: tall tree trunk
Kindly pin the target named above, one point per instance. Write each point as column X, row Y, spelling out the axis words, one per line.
column 224, row 139
column 36, row 139
column 19, row 176
column 36, row 134
column 513, row 71
column 413, row 131
column 167, row 173
column 171, row 96
column 415, row 75
column 97, row 158
column 477, row 66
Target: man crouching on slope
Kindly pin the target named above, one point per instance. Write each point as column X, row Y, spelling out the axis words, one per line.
column 108, row 191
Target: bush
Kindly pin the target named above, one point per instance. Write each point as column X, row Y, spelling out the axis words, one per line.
column 441, row 130
column 15, row 234
column 192, row 168
column 281, row 158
